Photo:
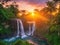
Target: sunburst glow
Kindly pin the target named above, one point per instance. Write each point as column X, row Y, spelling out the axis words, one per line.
column 36, row 16
column 32, row 13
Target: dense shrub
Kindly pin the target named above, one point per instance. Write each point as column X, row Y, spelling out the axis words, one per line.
column 3, row 43
column 4, row 32
column 21, row 42
column 53, row 39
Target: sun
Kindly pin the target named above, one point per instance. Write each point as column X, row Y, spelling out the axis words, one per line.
column 32, row 13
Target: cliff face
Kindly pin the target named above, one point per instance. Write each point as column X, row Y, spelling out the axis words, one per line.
column 13, row 25
column 40, row 29
column 9, row 29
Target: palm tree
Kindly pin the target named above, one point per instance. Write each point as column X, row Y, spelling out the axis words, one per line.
column 57, row 18
column 50, row 9
column 5, row 0
column 57, row 2
column 56, row 21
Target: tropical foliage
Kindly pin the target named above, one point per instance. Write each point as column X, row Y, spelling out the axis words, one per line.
column 6, row 13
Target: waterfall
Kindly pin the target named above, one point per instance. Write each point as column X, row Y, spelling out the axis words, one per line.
column 22, row 30
column 17, row 28
column 20, row 25
column 33, row 28
column 29, row 33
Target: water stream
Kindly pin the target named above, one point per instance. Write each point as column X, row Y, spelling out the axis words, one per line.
column 20, row 25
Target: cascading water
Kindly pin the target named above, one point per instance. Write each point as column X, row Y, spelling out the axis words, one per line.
column 33, row 28
column 23, row 35
column 21, row 32
column 17, row 28
column 22, row 29
column 19, row 25
column 29, row 30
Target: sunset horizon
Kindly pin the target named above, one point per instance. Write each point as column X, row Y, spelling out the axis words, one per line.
column 29, row 5
column 29, row 22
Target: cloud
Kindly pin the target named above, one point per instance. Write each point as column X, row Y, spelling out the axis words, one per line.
column 33, row 1
column 25, row 6
column 31, row 4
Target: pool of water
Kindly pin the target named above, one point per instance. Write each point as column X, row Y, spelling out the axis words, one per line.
column 37, row 41
column 30, row 39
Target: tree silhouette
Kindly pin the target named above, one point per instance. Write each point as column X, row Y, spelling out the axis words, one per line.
column 56, row 21
column 5, row 0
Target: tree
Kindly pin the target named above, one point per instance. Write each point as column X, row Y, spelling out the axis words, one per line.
column 56, row 21
column 49, row 10
column 5, row 15
column 5, row 0
column 50, row 7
